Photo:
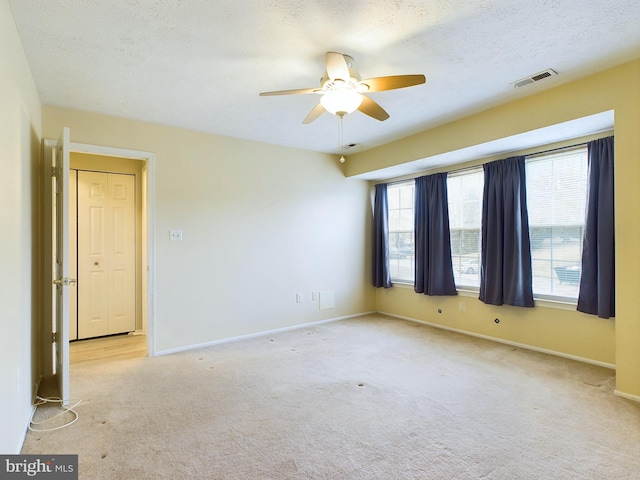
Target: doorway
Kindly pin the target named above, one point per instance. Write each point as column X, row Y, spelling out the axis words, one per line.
column 105, row 231
column 110, row 299
column 108, row 155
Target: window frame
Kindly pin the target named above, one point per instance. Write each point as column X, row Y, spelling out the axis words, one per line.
column 457, row 174
column 547, row 299
column 542, row 156
column 398, row 184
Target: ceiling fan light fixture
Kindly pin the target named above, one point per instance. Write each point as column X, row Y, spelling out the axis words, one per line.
column 342, row 91
column 341, row 101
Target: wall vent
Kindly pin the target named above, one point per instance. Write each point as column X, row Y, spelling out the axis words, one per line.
column 536, row 77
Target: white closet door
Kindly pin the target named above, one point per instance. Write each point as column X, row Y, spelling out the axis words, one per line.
column 121, row 244
column 106, row 254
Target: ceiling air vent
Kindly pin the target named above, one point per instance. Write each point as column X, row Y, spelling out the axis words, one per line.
column 536, row 77
column 350, row 146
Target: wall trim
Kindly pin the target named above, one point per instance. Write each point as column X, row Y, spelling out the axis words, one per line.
column 628, row 396
column 259, row 334
column 506, row 342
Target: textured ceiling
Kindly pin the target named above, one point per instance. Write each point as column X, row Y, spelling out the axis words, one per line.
column 200, row 64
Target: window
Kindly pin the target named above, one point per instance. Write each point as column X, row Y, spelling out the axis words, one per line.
column 465, row 221
column 400, row 198
column 556, row 202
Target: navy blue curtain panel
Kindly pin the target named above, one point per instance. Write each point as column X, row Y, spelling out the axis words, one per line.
column 433, row 266
column 597, row 282
column 505, row 273
column 381, row 274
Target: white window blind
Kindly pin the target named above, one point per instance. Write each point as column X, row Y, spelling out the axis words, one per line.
column 556, row 199
column 464, row 190
column 400, row 198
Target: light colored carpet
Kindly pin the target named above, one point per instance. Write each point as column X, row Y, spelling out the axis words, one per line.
column 365, row 398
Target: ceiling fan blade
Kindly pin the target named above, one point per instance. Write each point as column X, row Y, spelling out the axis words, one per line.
column 392, row 82
column 298, row 91
column 315, row 113
column 337, row 66
column 371, row 108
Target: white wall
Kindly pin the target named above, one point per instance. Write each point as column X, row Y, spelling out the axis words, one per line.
column 20, row 131
column 260, row 223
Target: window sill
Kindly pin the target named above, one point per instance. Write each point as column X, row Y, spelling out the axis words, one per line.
column 468, row 292
column 559, row 304
column 401, row 284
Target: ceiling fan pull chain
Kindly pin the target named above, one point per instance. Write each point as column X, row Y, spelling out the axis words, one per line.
column 340, row 140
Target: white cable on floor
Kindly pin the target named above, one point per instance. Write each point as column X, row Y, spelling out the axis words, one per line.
column 43, row 401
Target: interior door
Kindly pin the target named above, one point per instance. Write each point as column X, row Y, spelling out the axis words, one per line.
column 61, row 278
column 122, row 253
column 106, row 254
column 93, row 314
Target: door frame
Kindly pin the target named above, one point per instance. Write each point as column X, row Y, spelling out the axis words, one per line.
column 148, row 246
column 148, row 229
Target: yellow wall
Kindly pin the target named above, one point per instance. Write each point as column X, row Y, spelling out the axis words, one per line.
column 20, row 132
column 571, row 333
column 260, row 224
column 556, row 330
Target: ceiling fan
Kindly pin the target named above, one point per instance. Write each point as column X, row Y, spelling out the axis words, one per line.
column 342, row 90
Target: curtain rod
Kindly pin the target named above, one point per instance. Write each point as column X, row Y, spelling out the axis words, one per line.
column 551, row 150
column 461, row 170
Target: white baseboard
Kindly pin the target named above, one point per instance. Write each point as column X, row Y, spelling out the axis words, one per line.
column 258, row 334
column 628, row 396
column 506, row 342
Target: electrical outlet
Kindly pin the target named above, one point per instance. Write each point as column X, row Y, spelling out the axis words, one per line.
column 175, row 235
column 298, row 298
column 314, row 296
